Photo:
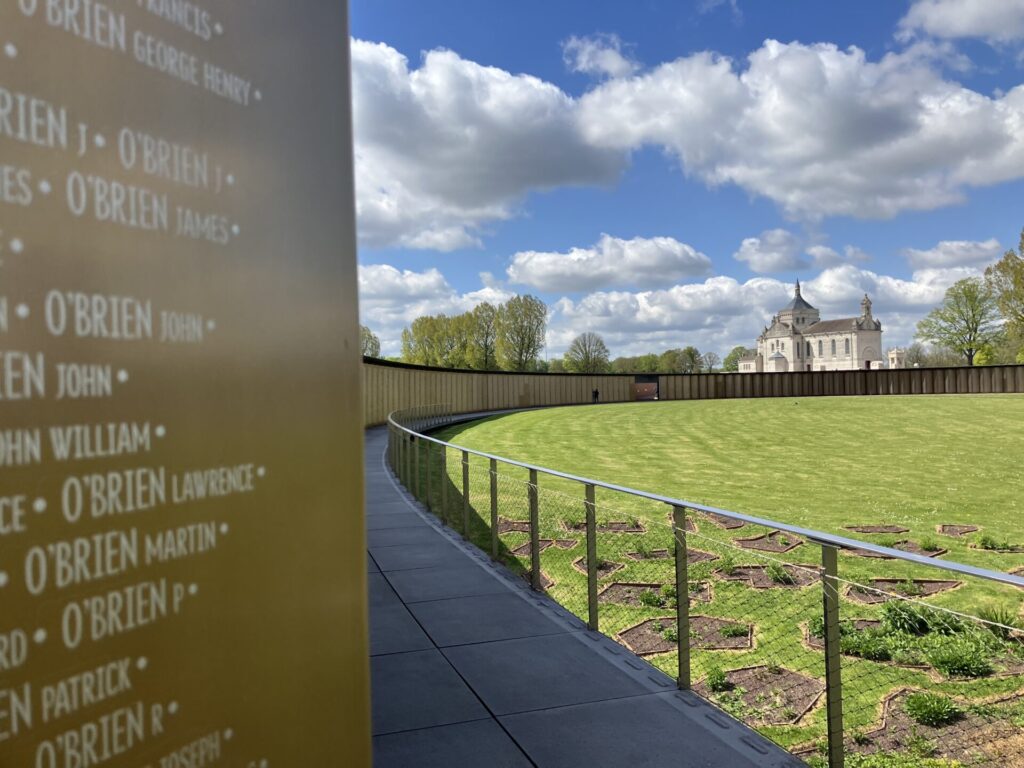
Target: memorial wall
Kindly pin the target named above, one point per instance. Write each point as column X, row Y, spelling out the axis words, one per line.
column 182, row 567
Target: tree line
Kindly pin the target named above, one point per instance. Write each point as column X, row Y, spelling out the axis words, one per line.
column 980, row 320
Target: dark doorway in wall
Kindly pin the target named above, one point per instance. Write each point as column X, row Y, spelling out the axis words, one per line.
column 645, row 387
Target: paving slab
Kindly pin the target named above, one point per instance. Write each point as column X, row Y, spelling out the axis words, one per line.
column 394, row 630
column 483, row 618
column 381, row 593
column 640, row 732
column 371, row 566
column 407, row 556
column 400, row 520
column 463, row 744
column 415, row 534
column 419, row 690
column 465, row 579
column 539, row 673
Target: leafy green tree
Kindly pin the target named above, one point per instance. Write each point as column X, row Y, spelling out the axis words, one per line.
column 484, row 337
column 437, row 340
column 671, row 361
column 967, row 320
column 587, row 353
column 521, row 324
column 638, row 364
column 1006, row 279
column 731, row 364
column 691, row 360
column 369, row 342
column 556, row 366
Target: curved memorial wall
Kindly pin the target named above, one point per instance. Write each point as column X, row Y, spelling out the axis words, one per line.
column 182, row 568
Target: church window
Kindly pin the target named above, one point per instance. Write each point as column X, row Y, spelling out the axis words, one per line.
column 820, row 348
column 847, row 347
column 833, row 347
column 808, row 349
column 782, row 346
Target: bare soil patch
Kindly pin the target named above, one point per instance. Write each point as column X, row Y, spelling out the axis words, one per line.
column 699, row 556
column 546, row 582
column 611, row 527
column 899, row 587
column 915, row 548
column 648, row 637
column 524, row 549
column 604, row 567
column 759, row 577
column 951, row 529
column 657, row 635
column 507, row 526
column 724, row 522
column 972, row 739
column 567, row 543
column 767, row 695
column 877, row 528
column 628, row 592
column 776, row 541
column 689, row 526
column 654, row 554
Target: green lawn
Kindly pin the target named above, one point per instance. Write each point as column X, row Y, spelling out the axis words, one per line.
column 820, row 463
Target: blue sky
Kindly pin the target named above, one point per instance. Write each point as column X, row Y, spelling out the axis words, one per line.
column 661, row 171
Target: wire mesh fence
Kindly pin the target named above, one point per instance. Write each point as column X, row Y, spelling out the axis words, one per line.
column 840, row 657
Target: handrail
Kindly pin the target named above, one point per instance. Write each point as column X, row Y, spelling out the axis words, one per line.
column 819, row 537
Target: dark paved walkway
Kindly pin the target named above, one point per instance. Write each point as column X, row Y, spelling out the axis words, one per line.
column 470, row 668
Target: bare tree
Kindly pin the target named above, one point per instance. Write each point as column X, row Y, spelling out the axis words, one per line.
column 587, row 354
column 711, row 361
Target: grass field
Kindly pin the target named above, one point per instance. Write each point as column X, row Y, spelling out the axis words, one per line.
column 821, row 463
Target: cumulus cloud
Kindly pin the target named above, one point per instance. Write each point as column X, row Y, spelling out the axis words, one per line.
column 599, row 55
column 721, row 312
column 612, row 261
column 452, row 146
column 390, row 299
column 819, row 130
column 775, row 250
column 997, row 21
column 955, row 253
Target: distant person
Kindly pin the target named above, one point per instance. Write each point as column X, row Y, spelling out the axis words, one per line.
column 596, row 394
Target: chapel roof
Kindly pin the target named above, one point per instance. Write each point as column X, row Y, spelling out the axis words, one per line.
column 798, row 301
column 831, row 326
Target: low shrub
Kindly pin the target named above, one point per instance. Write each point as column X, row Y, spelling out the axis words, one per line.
column 779, row 574
column 816, row 626
column 929, row 544
column 932, row 709
column 870, row 645
column 1001, row 621
column 651, row 599
column 990, row 542
column 670, row 633
column 734, row 630
column 959, row 657
column 668, row 591
column 717, row 680
column 901, row 616
column 727, row 565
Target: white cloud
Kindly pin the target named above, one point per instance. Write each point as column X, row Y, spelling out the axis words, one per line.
column 598, row 55
column 819, row 130
column 707, row 6
column 721, row 312
column 612, row 261
column 997, row 21
column 955, row 253
column 448, row 148
column 390, row 299
column 776, row 250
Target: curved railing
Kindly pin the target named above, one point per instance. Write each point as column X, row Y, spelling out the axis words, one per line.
column 827, row 663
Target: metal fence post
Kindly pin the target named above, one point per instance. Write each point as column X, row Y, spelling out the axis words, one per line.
column 833, row 657
column 592, row 613
column 682, row 597
column 416, row 467
column 534, row 532
column 430, row 499
column 494, row 509
column 465, row 494
column 444, row 483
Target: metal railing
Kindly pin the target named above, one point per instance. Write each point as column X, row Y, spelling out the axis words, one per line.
column 831, row 656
